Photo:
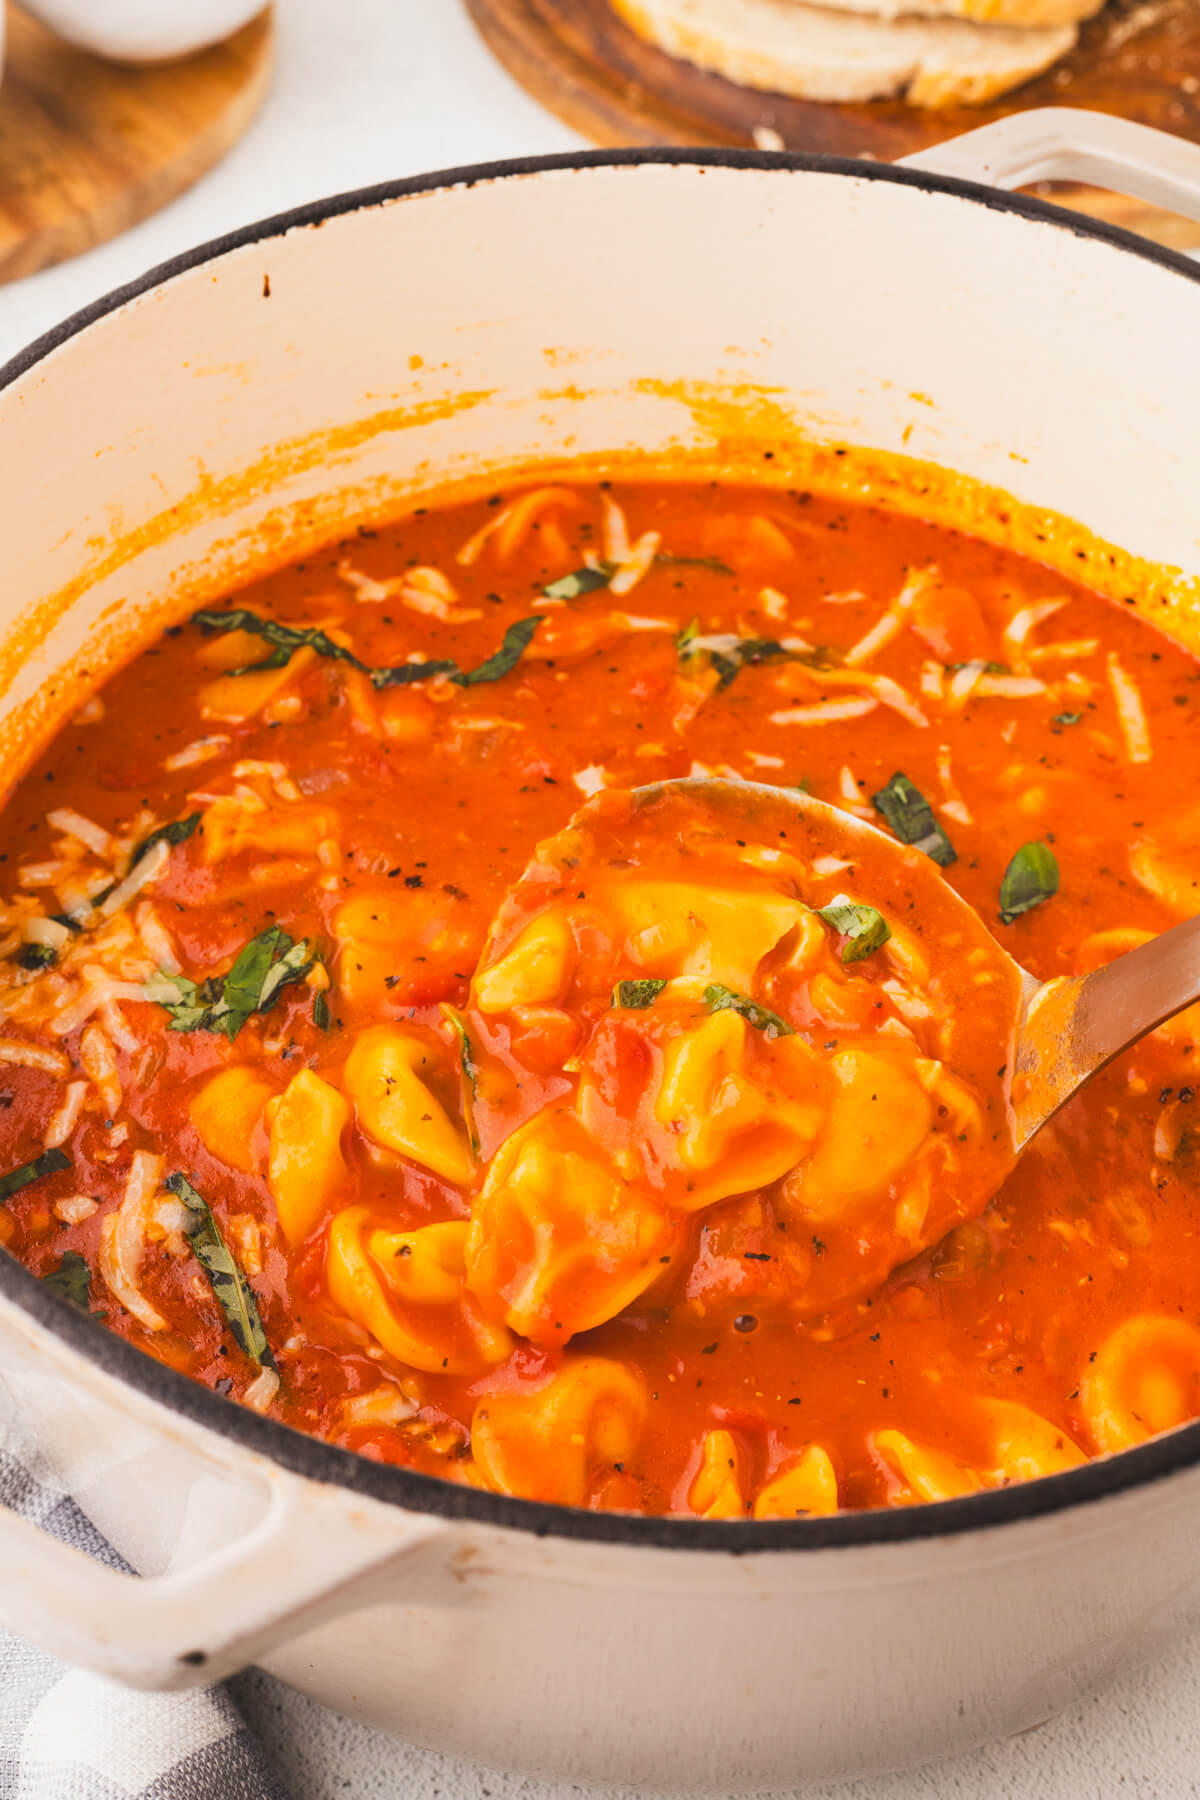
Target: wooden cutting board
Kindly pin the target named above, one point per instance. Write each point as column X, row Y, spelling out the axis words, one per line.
column 88, row 147
column 1139, row 59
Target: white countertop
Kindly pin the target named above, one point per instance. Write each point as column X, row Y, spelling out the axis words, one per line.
column 366, row 90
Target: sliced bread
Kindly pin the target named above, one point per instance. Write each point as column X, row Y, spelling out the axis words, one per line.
column 817, row 53
column 1036, row 13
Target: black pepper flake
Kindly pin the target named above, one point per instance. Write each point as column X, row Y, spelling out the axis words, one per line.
column 1186, row 1094
column 818, row 1247
column 414, row 881
column 708, row 1349
column 756, row 1256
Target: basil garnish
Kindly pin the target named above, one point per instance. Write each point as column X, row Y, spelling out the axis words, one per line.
column 864, row 927
column 176, row 831
column 910, row 816
column 713, row 563
column 1030, row 878
column 36, row 956
column 512, row 649
column 637, row 994
column 72, row 1280
column 722, row 999
column 580, row 582
column 728, row 655
column 289, row 638
column 233, row 1292
column 1067, row 718
column 286, row 638
column 321, row 1015
column 268, row 963
column 468, row 1067
column 48, row 1163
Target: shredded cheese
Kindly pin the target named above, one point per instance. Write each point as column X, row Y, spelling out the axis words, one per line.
column 123, row 1240
column 1131, row 714
column 824, row 712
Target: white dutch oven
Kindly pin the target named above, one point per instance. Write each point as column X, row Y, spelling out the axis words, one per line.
column 315, row 368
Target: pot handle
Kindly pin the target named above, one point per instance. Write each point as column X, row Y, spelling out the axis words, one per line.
column 1063, row 143
column 307, row 1558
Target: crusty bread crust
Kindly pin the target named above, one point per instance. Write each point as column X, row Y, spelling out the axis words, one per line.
column 1038, row 14
column 818, row 53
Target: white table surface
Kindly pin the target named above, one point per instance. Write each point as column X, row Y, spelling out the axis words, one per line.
column 365, row 90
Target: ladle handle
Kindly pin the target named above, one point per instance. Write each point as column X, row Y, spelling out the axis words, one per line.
column 1074, row 1026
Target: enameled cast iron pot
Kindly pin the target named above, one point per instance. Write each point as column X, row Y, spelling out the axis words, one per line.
column 312, row 369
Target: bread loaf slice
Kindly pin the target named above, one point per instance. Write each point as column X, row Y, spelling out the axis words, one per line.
column 818, row 53
column 1036, row 13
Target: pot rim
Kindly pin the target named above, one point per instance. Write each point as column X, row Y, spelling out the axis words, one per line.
column 315, row 1459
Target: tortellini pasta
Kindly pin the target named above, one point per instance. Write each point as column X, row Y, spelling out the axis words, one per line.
column 388, row 1076
column 880, row 1117
column 400, row 943
column 1021, row 1445
column 226, row 1114
column 306, row 1170
column 716, row 1491
column 409, row 1290
column 560, row 1442
column 1145, row 1379
column 534, row 970
column 559, row 1241
column 736, row 1124
column 805, row 1485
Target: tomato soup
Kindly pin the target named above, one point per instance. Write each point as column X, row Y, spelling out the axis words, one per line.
column 643, row 1163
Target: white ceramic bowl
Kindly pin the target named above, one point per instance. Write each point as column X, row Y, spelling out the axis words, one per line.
column 313, row 371
column 144, row 30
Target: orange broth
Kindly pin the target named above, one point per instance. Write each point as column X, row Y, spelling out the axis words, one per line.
column 774, row 636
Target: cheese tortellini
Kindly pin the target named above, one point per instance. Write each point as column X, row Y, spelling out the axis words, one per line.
column 559, row 1241
column 561, row 1441
column 306, row 1170
column 1021, row 1445
column 1145, row 1379
column 388, row 1077
column 409, row 1290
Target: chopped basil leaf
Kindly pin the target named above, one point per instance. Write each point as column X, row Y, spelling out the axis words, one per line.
column 713, row 563
column 285, row 638
column 468, row 1067
column 728, row 654
column 321, row 1015
column 50, row 1162
column 36, row 956
column 176, row 831
column 580, row 582
column 1030, row 878
column 268, row 963
column 289, row 638
column 722, row 999
column 865, row 928
column 1067, row 718
column 910, row 816
column 512, row 649
column 233, row 1292
column 984, row 668
column 637, row 994
column 72, row 1280
column 406, row 673
column 72, row 924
